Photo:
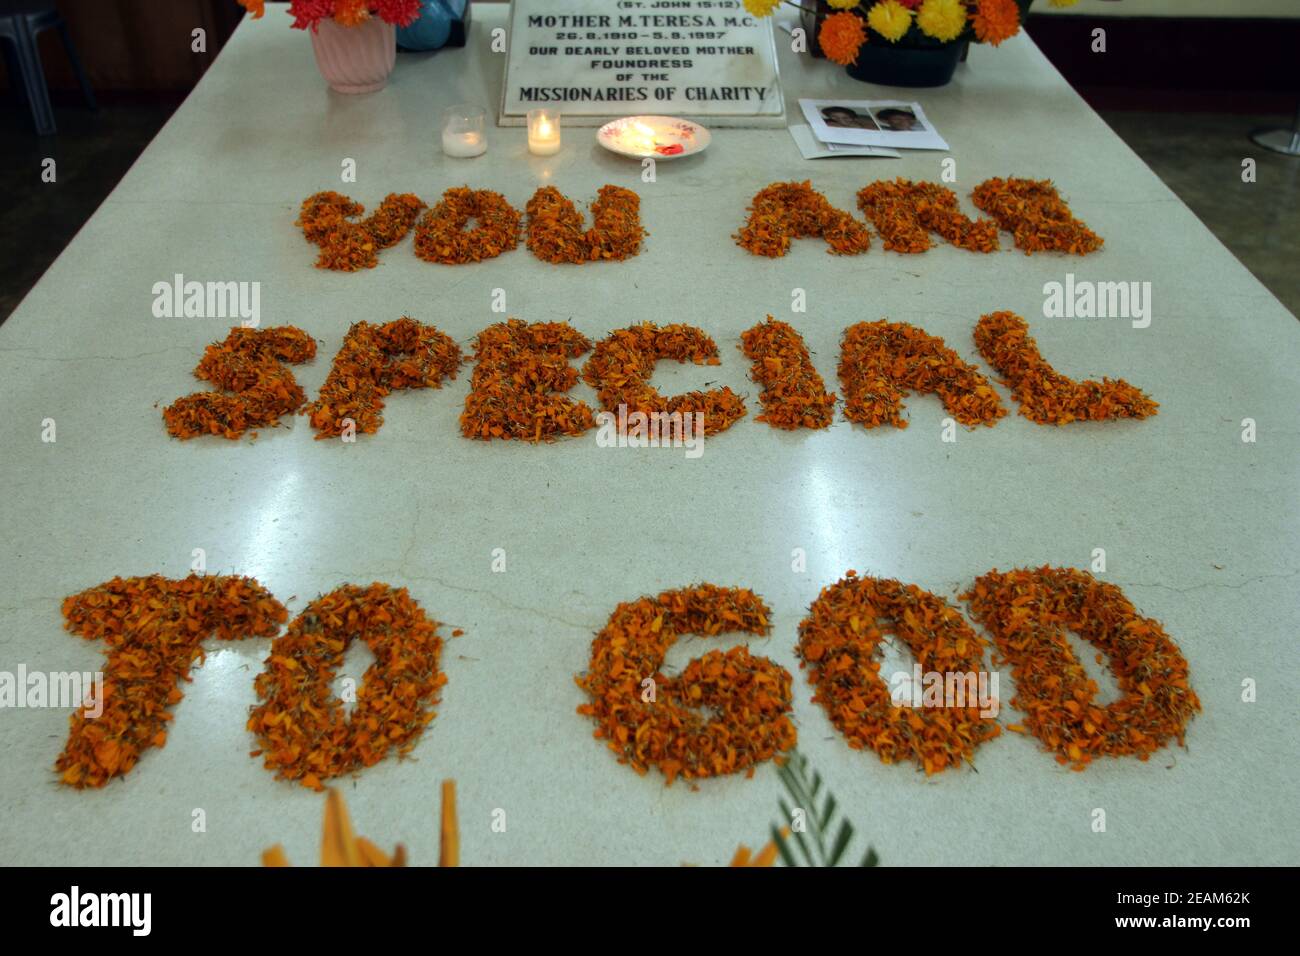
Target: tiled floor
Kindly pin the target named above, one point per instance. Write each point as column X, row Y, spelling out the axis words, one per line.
column 1198, row 154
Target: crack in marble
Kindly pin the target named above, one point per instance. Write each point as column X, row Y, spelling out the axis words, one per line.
column 95, row 358
column 479, row 592
column 25, row 604
column 1207, row 584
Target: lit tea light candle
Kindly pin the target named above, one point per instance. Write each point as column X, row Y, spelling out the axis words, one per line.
column 463, row 134
column 543, row 132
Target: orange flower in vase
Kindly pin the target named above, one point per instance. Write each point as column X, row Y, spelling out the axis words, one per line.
column 841, row 36
column 355, row 41
column 995, row 20
column 351, row 13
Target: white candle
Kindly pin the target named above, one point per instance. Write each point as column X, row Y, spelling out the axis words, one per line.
column 543, row 132
column 462, row 130
column 470, row 143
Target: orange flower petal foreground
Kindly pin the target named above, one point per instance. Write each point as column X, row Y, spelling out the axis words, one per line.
column 1028, row 612
column 839, row 641
column 784, row 211
column 346, row 245
column 794, row 395
column 520, row 375
column 302, row 728
column 880, row 361
column 448, row 827
column 555, row 232
column 339, row 846
column 841, row 37
column 995, row 20
column 442, row 237
column 726, row 712
column 765, row 857
column 1033, row 211
column 621, row 366
column 257, row 390
column 905, row 213
column 1045, row 395
column 376, row 360
column 154, row 628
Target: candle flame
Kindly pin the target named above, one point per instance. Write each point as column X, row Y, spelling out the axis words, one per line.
column 638, row 135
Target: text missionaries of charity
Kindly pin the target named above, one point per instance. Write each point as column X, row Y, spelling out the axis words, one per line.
column 632, row 94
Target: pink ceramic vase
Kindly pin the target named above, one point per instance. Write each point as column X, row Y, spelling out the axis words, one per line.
column 355, row 59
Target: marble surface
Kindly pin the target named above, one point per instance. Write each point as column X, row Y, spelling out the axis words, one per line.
column 1199, row 528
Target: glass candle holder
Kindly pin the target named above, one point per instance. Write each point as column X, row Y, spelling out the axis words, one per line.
column 543, row 132
column 464, row 131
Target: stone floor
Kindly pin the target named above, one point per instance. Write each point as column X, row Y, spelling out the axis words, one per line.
column 92, row 151
column 1199, row 155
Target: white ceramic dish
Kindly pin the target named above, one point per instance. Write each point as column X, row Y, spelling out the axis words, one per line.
column 660, row 137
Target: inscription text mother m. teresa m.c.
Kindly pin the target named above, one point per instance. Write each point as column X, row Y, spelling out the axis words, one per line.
column 705, row 58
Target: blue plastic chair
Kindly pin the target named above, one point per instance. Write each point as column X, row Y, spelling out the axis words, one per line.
column 21, row 21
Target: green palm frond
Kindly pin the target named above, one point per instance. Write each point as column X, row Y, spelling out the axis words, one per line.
column 814, row 844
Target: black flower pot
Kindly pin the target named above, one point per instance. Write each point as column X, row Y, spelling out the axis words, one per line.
column 882, row 62
column 916, row 60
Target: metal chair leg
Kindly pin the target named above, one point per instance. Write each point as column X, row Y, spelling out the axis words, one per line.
column 33, row 76
column 77, row 68
column 1284, row 141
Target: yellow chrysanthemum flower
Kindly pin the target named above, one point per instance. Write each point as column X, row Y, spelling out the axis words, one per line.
column 847, row 4
column 762, row 8
column 890, row 19
column 942, row 19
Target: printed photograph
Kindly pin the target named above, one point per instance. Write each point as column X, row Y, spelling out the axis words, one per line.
column 882, row 123
column 898, row 119
column 844, row 117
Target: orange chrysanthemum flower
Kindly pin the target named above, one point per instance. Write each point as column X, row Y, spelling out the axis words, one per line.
column 995, row 20
column 255, row 8
column 841, row 36
column 351, row 13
